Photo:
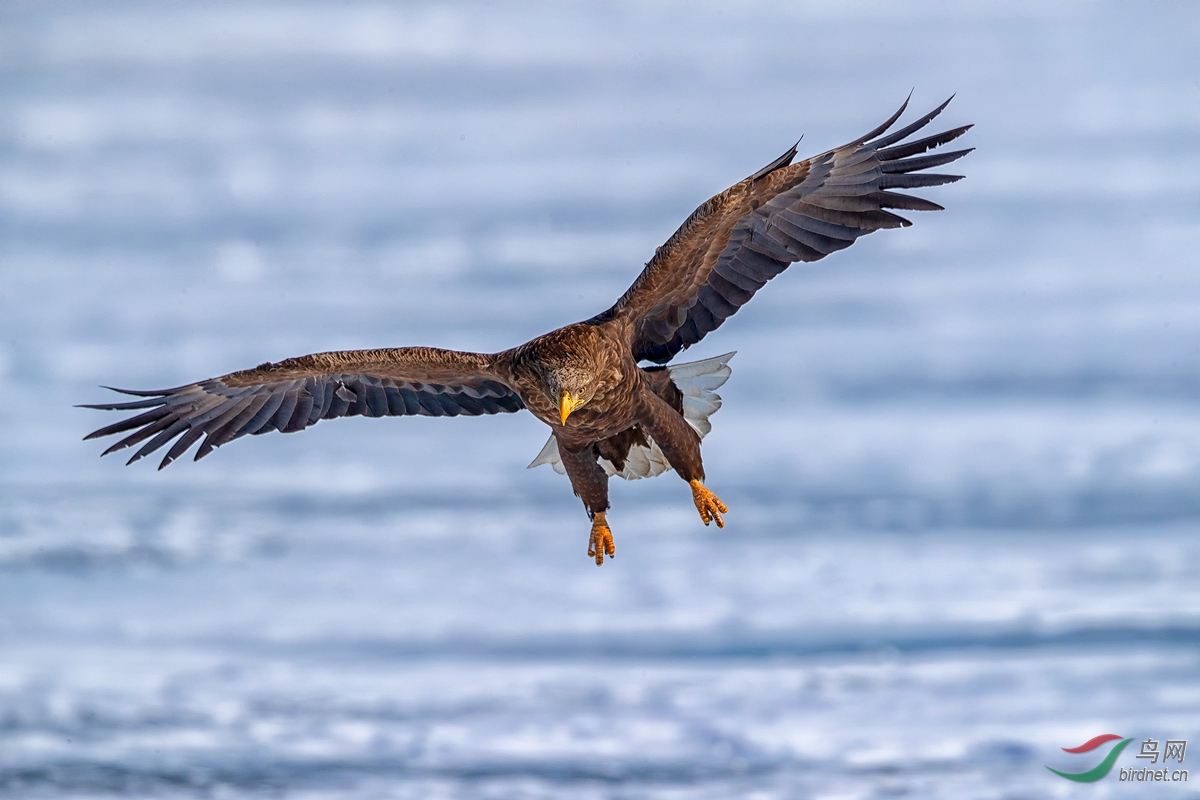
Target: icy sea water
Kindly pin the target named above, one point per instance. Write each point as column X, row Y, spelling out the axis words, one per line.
column 962, row 459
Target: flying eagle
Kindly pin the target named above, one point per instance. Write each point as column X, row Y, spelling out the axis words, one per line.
column 608, row 415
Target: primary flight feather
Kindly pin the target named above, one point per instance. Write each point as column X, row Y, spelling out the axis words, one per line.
column 608, row 415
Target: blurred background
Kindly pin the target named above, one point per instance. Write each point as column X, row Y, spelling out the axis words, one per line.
column 962, row 459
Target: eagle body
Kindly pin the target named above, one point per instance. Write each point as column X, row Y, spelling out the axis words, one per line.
column 588, row 349
column 608, row 413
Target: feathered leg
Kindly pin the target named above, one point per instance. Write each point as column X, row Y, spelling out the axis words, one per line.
column 590, row 483
column 681, row 445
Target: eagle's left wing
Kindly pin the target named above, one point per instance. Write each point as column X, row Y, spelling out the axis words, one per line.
column 738, row 240
column 291, row 395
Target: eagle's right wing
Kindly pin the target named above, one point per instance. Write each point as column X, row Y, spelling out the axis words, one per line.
column 291, row 395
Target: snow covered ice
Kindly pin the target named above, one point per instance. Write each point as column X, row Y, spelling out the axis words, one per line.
column 962, row 529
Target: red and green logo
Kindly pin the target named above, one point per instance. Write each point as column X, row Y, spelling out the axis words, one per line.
column 1100, row 770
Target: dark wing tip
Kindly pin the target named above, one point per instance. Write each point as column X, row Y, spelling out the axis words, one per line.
column 889, row 122
column 778, row 163
column 181, row 445
column 205, row 448
column 155, row 398
column 896, row 136
column 142, row 392
column 151, row 403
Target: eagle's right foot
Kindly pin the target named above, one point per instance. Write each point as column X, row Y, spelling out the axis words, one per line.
column 601, row 543
column 708, row 504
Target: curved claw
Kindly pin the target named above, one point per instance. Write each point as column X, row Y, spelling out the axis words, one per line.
column 601, row 541
column 708, row 504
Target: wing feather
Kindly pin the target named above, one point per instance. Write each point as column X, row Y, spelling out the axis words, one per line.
column 267, row 412
column 907, row 130
column 181, row 445
column 301, row 416
column 126, row 424
column 178, row 427
column 291, row 395
column 738, row 240
column 138, row 435
column 923, row 162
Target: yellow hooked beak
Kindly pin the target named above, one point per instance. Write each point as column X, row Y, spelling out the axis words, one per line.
column 567, row 404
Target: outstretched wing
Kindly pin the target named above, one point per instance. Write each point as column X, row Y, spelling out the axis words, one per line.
column 293, row 394
column 735, row 242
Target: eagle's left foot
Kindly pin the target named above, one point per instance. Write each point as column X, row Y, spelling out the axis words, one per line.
column 601, row 543
column 708, row 504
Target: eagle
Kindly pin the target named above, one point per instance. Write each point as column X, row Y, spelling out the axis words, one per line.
column 600, row 384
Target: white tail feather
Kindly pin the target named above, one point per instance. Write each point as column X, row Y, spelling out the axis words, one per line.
column 697, row 380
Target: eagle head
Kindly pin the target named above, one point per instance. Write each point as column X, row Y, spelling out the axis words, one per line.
column 568, row 363
column 570, row 384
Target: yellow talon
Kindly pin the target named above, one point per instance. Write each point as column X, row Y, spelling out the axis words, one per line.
column 601, row 542
column 708, row 504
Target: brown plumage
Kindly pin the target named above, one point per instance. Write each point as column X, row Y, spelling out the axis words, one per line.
column 584, row 380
